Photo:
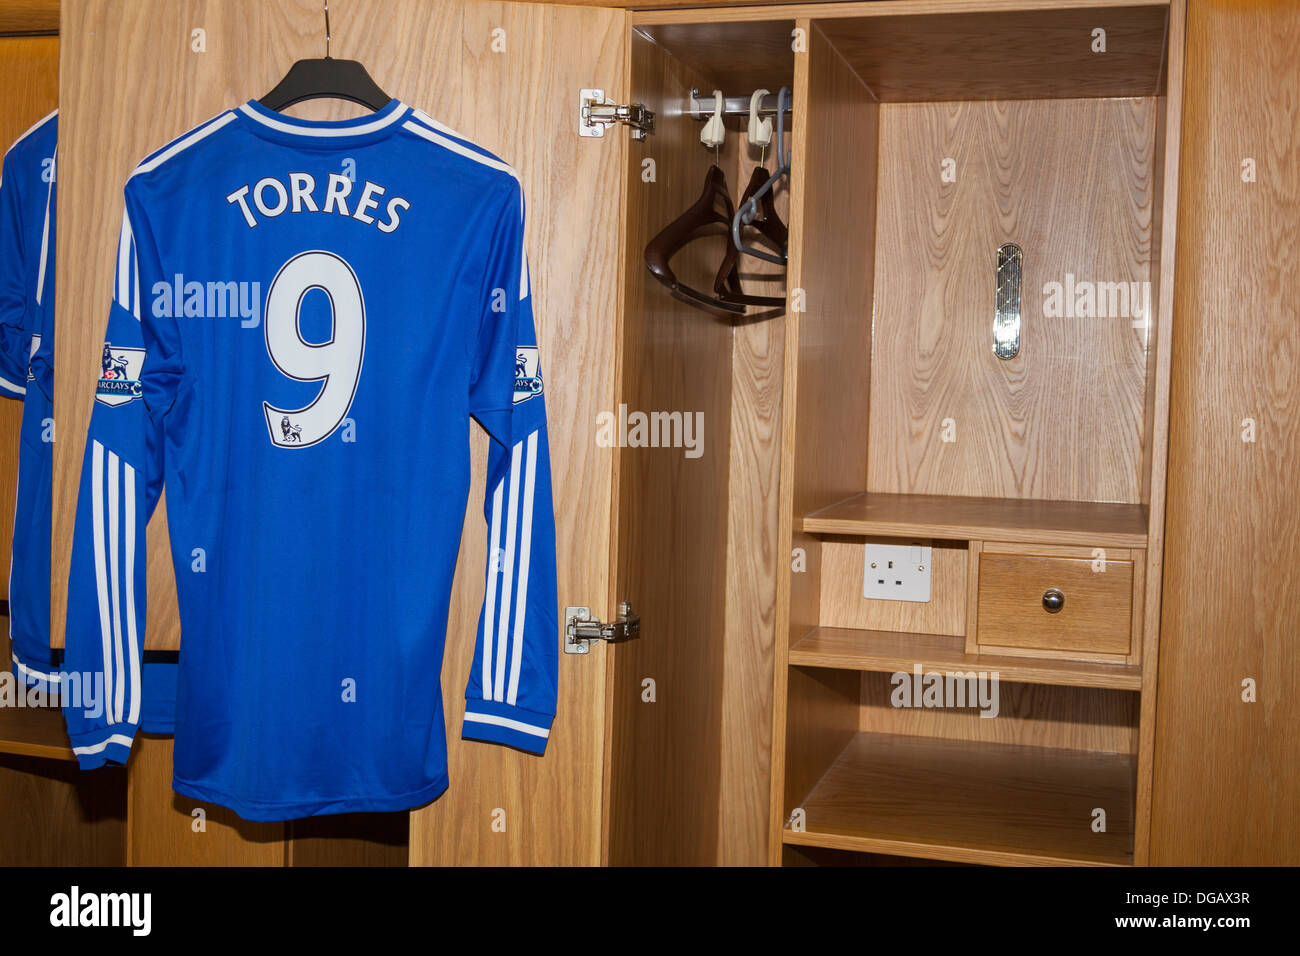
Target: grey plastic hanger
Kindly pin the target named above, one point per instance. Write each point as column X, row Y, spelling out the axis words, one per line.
column 748, row 210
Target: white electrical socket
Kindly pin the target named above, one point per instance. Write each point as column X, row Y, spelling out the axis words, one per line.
column 897, row 572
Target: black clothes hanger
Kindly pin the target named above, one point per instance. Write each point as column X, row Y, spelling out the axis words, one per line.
column 697, row 221
column 326, row 78
column 770, row 226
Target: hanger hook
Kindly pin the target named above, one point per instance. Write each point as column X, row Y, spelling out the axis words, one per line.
column 327, row 29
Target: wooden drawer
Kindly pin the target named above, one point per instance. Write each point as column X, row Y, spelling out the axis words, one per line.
column 1096, row 617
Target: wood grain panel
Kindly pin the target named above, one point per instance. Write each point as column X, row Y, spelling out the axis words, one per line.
column 520, row 104
column 740, row 11
column 29, row 75
column 57, row 815
column 988, row 803
column 738, row 58
column 753, row 559
column 1005, row 55
column 664, row 757
column 34, row 732
column 1007, row 519
column 827, row 349
column 1156, row 446
column 1096, row 618
column 1062, row 420
column 350, row 839
column 821, row 715
column 894, row 651
column 1034, row 715
column 163, row 830
column 29, row 16
column 843, row 605
column 1226, row 780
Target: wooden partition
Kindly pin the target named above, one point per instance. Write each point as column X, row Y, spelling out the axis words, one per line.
column 1227, row 780
column 828, row 353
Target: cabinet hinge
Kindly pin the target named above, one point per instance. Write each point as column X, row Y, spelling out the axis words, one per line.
column 595, row 112
column 581, row 629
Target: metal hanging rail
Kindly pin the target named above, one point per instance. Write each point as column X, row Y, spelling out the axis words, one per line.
column 738, row 106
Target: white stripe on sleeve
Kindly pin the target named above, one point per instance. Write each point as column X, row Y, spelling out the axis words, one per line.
column 128, row 529
column 525, row 552
column 114, row 492
column 125, row 253
column 101, row 569
column 490, row 601
column 507, row 574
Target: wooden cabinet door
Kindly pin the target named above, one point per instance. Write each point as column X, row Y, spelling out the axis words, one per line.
column 521, row 68
column 1226, row 783
column 506, row 75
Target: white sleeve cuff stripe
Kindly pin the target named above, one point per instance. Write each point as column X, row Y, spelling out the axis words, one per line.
column 508, row 723
column 122, row 739
column 53, row 678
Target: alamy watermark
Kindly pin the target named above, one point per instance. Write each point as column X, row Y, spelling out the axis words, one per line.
column 213, row 299
column 959, row 689
column 79, row 690
column 1076, row 298
column 662, row 429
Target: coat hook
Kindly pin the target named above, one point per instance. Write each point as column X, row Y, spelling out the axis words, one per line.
column 760, row 128
column 327, row 29
column 714, row 133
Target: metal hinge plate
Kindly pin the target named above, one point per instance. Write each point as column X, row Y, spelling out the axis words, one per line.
column 581, row 630
column 595, row 112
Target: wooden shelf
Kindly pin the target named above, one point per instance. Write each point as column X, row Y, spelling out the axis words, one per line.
column 848, row 648
column 992, row 519
column 972, row 802
column 34, row 732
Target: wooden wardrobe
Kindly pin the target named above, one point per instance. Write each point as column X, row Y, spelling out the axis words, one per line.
column 754, row 719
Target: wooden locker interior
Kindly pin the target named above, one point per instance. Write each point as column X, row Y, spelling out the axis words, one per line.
column 1060, row 453
column 901, row 422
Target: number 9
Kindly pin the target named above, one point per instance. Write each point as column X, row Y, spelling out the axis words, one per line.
column 336, row 363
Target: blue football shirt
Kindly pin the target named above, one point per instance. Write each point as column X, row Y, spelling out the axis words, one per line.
column 28, row 215
column 26, row 374
column 305, row 317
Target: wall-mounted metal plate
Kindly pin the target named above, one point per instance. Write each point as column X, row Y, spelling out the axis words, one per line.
column 1006, row 310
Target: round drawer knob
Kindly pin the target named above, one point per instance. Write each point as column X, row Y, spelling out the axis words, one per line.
column 1053, row 600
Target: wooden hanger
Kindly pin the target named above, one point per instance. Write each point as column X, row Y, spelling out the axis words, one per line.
column 685, row 229
column 326, row 78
